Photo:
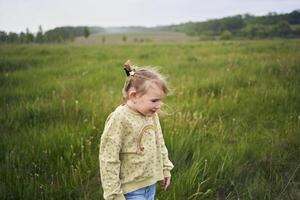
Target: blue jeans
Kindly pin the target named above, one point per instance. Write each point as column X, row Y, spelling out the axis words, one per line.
column 145, row 193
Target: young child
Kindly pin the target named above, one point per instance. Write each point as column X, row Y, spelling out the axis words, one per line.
column 133, row 155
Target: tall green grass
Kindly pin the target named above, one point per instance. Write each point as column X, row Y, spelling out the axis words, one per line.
column 232, row 128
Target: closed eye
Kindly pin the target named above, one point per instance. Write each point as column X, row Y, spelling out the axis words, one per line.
column 155, row 100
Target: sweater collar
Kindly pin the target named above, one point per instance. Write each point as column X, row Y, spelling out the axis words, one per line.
column 130, row 110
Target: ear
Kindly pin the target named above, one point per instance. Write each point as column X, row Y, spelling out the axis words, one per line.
column 132, row 95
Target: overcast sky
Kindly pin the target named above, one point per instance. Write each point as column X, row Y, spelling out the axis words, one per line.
column 17, row 15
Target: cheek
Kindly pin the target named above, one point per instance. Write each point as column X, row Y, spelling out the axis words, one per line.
column 149, row 104
column 153, row 105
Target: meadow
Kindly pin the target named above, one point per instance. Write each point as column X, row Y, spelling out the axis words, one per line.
column 231, row 122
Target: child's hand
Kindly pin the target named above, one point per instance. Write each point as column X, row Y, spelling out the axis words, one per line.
column 165, row 183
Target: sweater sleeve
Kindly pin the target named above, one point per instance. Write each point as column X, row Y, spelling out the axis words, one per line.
column 110, row 147
column 167, row 164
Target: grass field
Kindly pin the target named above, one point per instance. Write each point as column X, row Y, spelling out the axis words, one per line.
column 232, row 125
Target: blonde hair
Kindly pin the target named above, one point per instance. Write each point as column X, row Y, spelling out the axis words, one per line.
column 140, row 78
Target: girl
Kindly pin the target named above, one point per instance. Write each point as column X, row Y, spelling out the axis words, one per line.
column 133, row 155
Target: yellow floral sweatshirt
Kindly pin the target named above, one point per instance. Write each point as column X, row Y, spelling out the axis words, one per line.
column 132, row 153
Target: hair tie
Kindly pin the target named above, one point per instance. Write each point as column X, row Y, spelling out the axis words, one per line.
column 129, row 73
column 128, row 70
column 132, row 72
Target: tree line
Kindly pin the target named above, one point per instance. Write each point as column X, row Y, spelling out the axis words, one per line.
column 238, row 26
column 248, row 26
column 60, row 34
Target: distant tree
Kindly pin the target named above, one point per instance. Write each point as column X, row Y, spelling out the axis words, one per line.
column 211, row 27
column 249, row 31
column 12, row 37
column 3, row 36
column 232, row 23
column 86, row 32
column 209, row 33
column 247, row 16
column 61, row 34
column 124, row 38
column 257, row 31
column 103, row 39
column 296, row 32
column 226, row 35
column 22, row 37
column 263, row 31
column 294, row 17
column 40, row 36
column 190, row 28
column 283, row 29
column 272, row 14
column 29, row 36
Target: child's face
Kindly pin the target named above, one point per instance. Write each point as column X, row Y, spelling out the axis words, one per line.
column 150, row 102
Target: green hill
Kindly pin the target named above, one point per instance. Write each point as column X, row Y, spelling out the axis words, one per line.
column 249, row 26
